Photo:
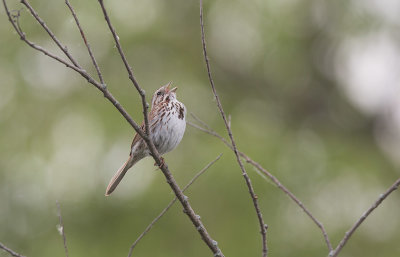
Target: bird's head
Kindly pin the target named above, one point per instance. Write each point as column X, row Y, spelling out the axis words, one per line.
column 164, row 94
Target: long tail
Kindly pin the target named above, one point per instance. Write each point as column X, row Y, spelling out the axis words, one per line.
column 119, row 175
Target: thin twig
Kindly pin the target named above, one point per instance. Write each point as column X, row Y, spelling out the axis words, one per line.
column 17, row 18
column 17, row 28
column 61, row 228
column 188, row 210
column 130, row 73
column 292, row 196
column 170, row 204
column 254, row 197
column 350, row 232
column 51, row 34
column 209, row 131
column 200, row 121
column 86, row 42
column 13, row 253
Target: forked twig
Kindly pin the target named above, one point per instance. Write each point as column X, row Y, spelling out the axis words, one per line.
column 61, row 229
column 292, row 196
column 13, row 253
column 51, row 34
column 131, row 77
column 210, row 131
column 253, row 195
column 86, row 42
column 170, row 204
column 350, row 232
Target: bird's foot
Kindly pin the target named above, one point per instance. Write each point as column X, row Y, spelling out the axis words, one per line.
column 162, row 163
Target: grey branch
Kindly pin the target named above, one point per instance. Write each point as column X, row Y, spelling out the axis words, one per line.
column 51, row 34
column 13, row 253
column 86, row 42
column 101, row 86
column 132, row 78
column 350, row 232
column 253, row 195
column 170, row 204
column 61, row 227
column 210, row 131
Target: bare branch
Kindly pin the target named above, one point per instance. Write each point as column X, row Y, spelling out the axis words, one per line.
column 51, row 34
column 15, row 254
column 254, row 197
column 14, row 20
column 61, row 228
column 85, row 41
column 350, row 232
column 131, row 76
column 197, row 223
column 200, row 121
column 292, row 196
column 170, row 204
column 208, row 130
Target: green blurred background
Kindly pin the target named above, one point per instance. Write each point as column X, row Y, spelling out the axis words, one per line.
column 313, row 87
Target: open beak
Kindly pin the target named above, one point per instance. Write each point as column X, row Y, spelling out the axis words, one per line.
column 167, row 87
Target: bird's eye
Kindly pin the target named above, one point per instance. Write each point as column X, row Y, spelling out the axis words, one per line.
column 159, row 93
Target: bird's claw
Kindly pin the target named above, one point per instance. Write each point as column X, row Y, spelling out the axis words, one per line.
column 162, row 163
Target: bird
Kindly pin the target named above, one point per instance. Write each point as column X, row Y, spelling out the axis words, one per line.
column 167, row 126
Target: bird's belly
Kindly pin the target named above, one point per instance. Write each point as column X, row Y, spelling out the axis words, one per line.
column 169, row 134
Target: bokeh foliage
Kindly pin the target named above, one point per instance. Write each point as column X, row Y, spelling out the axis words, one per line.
column 275, row 67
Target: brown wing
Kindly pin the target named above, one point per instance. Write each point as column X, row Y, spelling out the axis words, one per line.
column 137, row 137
